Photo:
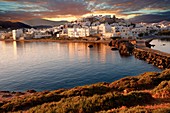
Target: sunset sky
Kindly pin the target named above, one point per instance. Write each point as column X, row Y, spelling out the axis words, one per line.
column 136, row 10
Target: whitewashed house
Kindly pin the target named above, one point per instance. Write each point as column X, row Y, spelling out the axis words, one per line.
column 126, row 32
column 41, row 35
column 78, row 32
column 94, row 30
column 16, row 34
column 105, row 30
column 123, row 32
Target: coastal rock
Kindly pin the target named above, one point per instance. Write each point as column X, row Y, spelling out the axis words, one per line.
column 114, row 49
column 19, row 93
column 4, row 91
column 90, row 46
column 7, row 95
column 125, row 47
column 156, row 58
column 31, row 91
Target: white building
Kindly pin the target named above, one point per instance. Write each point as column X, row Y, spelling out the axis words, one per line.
column 124, row 32
column 41, row 35
column 78, row 32
column 16, row 34
column 105, row 28
column 94, row 30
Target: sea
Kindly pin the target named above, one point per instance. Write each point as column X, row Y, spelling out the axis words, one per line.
column 52, row 65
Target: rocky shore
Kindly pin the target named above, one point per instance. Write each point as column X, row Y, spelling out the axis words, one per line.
column 125, row 47
column 154, row 57
column 148, row 92
column 141, row 50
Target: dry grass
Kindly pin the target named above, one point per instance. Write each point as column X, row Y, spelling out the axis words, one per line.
column 148, row 92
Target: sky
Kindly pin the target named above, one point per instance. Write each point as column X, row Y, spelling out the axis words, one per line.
column 56, row 10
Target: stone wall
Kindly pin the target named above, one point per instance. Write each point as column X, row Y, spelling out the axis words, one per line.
column 154, row 57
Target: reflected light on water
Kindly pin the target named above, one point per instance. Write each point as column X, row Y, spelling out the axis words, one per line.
column 162, row 45
column 51, row 65
column 15, row 49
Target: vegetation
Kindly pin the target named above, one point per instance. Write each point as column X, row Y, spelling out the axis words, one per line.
column 148, row 92
column 138, row 109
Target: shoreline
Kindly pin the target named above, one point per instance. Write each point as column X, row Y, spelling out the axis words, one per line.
column 60, row 41
column 149, row 89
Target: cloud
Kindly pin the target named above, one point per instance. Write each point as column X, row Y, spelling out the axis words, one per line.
column 152, row 17
column 76, row 8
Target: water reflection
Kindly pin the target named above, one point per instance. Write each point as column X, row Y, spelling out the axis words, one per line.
column 15, row 49
column 51, row 65
column 3, row 46
column 81, row 51
column 78, row 51
column 162, row 45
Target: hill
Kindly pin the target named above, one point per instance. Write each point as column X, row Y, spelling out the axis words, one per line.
column 43, row 22
column 165, row 23
column 146, row 93
column 13, row 25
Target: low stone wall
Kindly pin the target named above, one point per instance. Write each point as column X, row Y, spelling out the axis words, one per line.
column 154, row 57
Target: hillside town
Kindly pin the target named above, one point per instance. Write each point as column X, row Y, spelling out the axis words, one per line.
column 90, row 28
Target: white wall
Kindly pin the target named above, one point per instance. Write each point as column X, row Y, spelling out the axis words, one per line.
column 78, row 32
column 41, row 35
column 17, row 34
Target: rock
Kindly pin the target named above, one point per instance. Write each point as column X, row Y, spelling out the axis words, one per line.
column 4, row 91
column 19, row 93
column 125, row 47
column 110, row 43
column 152, row 57
column 90, row 46
column 7, row 95
column 114, row 49
column 31, row 91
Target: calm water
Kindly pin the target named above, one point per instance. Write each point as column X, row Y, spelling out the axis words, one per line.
column 51, row 65
column 162, row 45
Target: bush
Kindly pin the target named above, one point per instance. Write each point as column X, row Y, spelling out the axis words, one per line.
column 96, row 97
column 93, row 104
column 162, row 90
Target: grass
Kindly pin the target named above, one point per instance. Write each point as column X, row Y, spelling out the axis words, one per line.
column 129, row 92
column 137, row 109
column 92, row 104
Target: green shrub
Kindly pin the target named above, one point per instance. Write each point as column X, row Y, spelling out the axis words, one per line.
column 30, row 101
column 99, row 88
column 94, row 103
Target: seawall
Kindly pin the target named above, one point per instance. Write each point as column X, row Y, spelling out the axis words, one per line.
column 154, row 57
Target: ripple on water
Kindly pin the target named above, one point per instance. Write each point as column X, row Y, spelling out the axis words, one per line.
column 51, row 65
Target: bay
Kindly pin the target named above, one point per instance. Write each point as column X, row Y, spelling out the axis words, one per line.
column 51, row 65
